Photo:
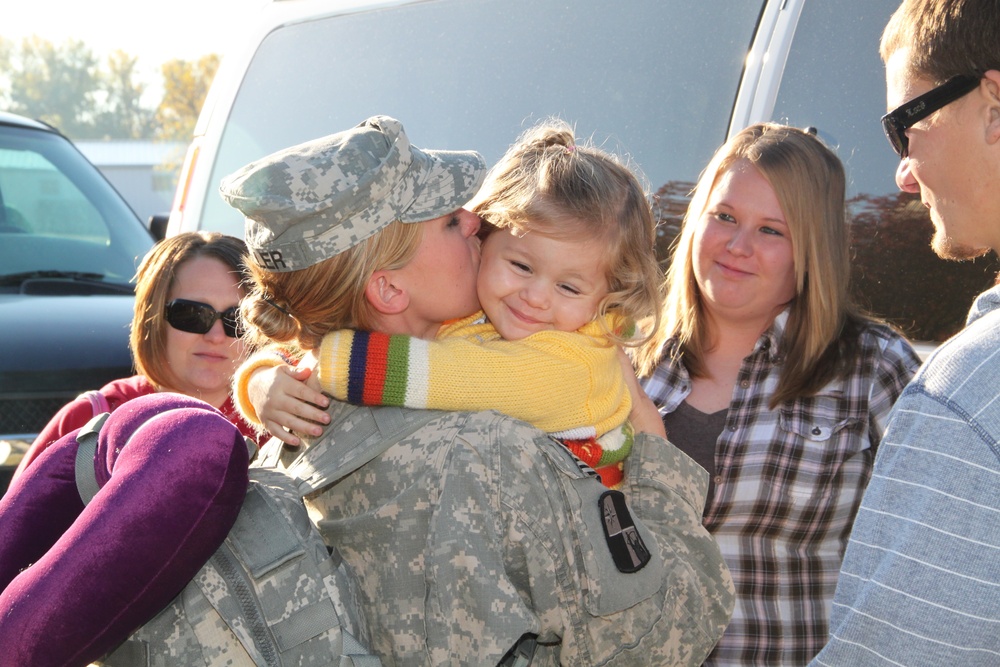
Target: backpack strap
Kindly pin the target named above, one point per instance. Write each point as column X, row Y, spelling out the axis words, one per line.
column 522, row 653
column 272, row 546
column 130, row 653
column 263, row 539
column 362, row 435
column 86, row 478
column 355, row 654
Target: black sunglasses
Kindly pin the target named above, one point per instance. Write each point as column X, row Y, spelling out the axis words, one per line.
column 896, row 122
column 199, row 318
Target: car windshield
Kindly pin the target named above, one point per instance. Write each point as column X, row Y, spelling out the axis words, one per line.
column 59, row 219
column 407, row 63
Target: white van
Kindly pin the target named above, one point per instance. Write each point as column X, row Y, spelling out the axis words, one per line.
column 663, row 81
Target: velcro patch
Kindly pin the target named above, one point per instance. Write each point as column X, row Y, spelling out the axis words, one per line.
column 627, row 548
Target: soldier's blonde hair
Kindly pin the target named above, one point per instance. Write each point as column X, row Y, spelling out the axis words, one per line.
column 299, row 307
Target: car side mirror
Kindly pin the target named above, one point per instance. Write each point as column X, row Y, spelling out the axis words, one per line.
column 158, row 225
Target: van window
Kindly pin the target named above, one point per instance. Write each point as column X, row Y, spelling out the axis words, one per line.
column 834, row 81
column 653, row 80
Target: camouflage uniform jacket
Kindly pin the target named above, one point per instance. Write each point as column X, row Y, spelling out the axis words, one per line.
column 476, row 529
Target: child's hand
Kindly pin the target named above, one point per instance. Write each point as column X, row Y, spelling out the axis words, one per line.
column 286, row 404
column 645, row 418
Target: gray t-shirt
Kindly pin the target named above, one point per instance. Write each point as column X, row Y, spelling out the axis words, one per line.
column 696, row 433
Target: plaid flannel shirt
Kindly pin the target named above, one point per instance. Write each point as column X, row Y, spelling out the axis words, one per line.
column 788, row 483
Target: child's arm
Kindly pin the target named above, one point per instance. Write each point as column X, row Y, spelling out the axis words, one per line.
column 645, row 418
column 273, row 394
column 606, row 453
column 569, row 384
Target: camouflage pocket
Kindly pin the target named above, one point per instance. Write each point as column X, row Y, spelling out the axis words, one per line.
column 608, row 587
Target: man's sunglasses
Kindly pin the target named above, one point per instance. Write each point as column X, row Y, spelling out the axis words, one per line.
column 899, row 120
column 199, row 318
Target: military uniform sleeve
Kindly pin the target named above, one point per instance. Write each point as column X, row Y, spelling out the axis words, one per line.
column 588, row 607
column 667, row 491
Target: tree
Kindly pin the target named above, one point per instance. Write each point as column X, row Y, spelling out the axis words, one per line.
column 122, row 115
column 896, row 274
column 670, row 203
column 6, row 48
column 65, row 87
column 185, row 85
column 54, row 84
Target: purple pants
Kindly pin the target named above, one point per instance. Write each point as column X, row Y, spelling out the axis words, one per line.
column 78, row 580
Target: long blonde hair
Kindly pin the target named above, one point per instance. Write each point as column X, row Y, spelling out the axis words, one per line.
column 820, row 339
column 548, row 183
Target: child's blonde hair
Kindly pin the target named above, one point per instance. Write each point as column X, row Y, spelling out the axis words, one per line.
column 548, row 183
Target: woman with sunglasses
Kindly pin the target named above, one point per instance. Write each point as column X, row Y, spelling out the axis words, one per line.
column 74, row 576
column 175, row 342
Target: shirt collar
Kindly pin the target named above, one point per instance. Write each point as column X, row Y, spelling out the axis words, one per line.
column 771, row 339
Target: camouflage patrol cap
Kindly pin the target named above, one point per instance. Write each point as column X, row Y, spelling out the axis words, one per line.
column 315, row 200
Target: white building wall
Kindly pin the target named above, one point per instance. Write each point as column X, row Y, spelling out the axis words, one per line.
column 144, row 172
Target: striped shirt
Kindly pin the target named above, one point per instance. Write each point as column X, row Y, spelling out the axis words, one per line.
column 920, row 583
column 787, row 485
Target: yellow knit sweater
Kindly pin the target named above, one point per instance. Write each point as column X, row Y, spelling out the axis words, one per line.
column 569, row 384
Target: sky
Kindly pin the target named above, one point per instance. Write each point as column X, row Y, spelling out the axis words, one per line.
column 154, row 32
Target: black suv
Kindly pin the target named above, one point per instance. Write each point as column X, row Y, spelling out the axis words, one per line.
column 69, row 247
